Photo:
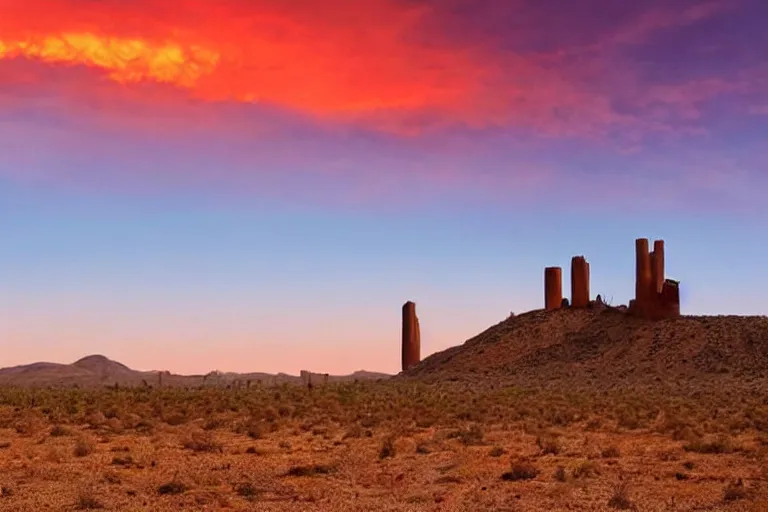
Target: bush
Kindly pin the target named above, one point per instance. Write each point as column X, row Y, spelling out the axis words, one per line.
column 202, row 441
column 83, row 447
column 521, row 470
column 549, row 445
column 620, row 498
column 387, row 448
column 315, row 469
column 172, row 487
column 719, row 445
column 734, row 491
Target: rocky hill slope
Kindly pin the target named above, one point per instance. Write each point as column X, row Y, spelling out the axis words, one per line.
column 605, row 347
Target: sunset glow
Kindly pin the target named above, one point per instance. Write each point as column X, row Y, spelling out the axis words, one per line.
column 261, row 184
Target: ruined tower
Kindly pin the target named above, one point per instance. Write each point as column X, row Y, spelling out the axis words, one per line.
column 669, row 299
column 643, row 279
column 579, row 282
column 656, row 298
column 553, row 288
column 411, row 336
column 657, row 265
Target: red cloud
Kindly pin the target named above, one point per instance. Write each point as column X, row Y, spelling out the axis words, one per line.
column 385, row 63
column 322, row 58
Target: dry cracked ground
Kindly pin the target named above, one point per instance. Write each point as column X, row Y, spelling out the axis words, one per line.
column 382, row 446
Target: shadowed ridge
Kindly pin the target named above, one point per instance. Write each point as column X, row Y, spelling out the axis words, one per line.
column 604, row 347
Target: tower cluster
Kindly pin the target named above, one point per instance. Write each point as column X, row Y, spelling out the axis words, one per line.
column 655, row 297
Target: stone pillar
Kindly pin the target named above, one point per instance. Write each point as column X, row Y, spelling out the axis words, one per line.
column 553, row 288
column 411, row 337
column 642, row 272
column 579, row 282
column 658, row 265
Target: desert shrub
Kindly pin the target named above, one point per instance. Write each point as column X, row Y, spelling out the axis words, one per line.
column 469, row 437
column 256, row 429
column 628, row 419
column 611, row 452
column 387, row 448
column 312, row 470
column 559, row 474
column 423, row 448
column 87, row 500
column 620, row 498
column 734, row 491
column 122, row 461
column 202, row 441
column 586, row 469
column 593, row 425
column 175, row 419
column 497, row 451
column 548, row 445
column 720, row 445
column 214, row 423
column 355, row 431
column 58, row 431
column 111, row 477
column 172, row 487
column 247, row 490
column 83, row 447
column 521, row 470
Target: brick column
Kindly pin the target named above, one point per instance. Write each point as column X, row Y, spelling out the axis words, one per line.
column 579, row 282
column 553, row 288
column 411, row 336
column 642, row 272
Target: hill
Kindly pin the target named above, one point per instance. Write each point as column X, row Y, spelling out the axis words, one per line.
column 604, row 347
column 98, row 370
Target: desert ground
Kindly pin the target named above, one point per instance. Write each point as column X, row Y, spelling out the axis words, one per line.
column 572, row 410
column 381, row 446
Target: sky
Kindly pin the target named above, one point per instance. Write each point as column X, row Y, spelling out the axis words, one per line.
column 259, row 185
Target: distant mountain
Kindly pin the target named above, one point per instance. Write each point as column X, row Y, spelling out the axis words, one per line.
column 101, row 365
column 98, row 370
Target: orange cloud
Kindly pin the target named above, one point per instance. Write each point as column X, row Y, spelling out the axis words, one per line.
column 124, row 60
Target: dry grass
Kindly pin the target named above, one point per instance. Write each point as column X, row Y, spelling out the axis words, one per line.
column 381, row 446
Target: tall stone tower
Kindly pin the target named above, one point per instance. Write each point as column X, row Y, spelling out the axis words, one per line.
column 411, row 336
column 657, row 265
column 553, row 288
column 643, row 274
column 579, row 282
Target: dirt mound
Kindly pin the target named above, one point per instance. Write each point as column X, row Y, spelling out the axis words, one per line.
column 605, row 346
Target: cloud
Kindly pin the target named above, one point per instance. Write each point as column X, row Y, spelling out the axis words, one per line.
column 434, row 97
column 404, row 66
